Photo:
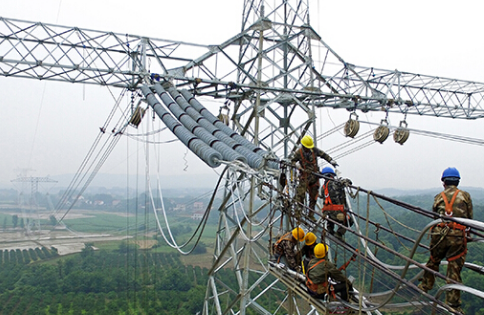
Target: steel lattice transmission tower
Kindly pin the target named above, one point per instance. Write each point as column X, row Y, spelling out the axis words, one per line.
column 270, row 77
column 34, row 189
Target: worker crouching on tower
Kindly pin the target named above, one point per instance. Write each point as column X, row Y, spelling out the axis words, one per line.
column 307, row 251
column 286, row 249
column 323, row 278
column 449, row 239
column 307, row 156
column 334, row 202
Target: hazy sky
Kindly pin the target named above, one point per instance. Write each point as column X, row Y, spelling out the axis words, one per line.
column 49, row 127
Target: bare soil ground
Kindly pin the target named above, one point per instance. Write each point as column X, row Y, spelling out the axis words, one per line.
column 66, row 242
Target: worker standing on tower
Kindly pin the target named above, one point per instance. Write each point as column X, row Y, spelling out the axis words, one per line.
column 308, row 175
column 449, row 239
column 334, row 202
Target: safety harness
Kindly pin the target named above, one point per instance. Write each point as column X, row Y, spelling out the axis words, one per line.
column 318, row 288
column 328, row 204
column 447, row 226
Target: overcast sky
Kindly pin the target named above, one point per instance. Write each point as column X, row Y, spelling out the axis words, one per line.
column 49, row 127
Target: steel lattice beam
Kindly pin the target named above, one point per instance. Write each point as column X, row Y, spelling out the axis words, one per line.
column 50, row 52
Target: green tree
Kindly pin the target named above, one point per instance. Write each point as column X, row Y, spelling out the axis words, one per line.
column 53, row 220
column 15, row 220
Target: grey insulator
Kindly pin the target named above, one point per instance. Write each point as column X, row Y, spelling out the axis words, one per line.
column 254, row 160
column 228, row 154
column 210, row 156
column 218, row 124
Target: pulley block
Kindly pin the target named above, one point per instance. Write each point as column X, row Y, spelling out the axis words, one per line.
column 381, row 133
column 136, row 117
column 401, row 134
column 352, row 126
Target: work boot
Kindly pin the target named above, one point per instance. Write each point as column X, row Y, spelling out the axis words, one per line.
column 422, row 287
column 311, row 217
column 456, row 309
column 339, row 236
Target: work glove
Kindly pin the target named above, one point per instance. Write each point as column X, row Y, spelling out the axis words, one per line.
column 347, row 182
column 298, row 269
column 333, row 162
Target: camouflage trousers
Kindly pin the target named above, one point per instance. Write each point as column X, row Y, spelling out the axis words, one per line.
column 337, row 216
column 453, row 247
column 313, row 190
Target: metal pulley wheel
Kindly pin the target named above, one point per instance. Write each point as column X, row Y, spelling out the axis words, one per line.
column 381, row 133
column 352, row 126
column 401, row 134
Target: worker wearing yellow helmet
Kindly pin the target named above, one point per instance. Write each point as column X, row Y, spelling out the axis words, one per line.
column 323, row 277
column 307, row 251
column 286, row 249
column 307, row 156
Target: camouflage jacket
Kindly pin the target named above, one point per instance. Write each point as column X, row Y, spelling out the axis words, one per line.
column 308, row 161
column 333, row 192
column 286, row 246
column 462, row 207
column 321, row 272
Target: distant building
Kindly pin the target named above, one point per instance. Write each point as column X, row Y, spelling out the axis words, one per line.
column 197, row 216
column 198, row 206
column 180, row 207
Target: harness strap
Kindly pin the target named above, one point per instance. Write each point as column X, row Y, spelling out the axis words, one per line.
column 464, row 252
column 334, row 208
column 449, row 206
column 310, row 284
column 352, row 258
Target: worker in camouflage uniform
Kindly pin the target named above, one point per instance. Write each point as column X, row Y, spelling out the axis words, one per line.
column 307, row 156
column 324, row 278
column 449, row 239
column 286, row 249
column 334, row 202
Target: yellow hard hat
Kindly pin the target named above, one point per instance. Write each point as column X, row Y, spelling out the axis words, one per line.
column 320, row 250
column 307, row 141
column 310, row 238
column 298, row 234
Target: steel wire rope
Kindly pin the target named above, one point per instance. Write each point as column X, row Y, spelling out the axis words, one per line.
column 103, row 159
column 379, row 266
column 110, row 146
column 378, row 262
column 61, row 201
column 117, row 101
column 386, row 215
column 247, row 219
column 440, row 135
column 329, row 132
column 201, row 225
column 409, row 259
column 68, row 192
